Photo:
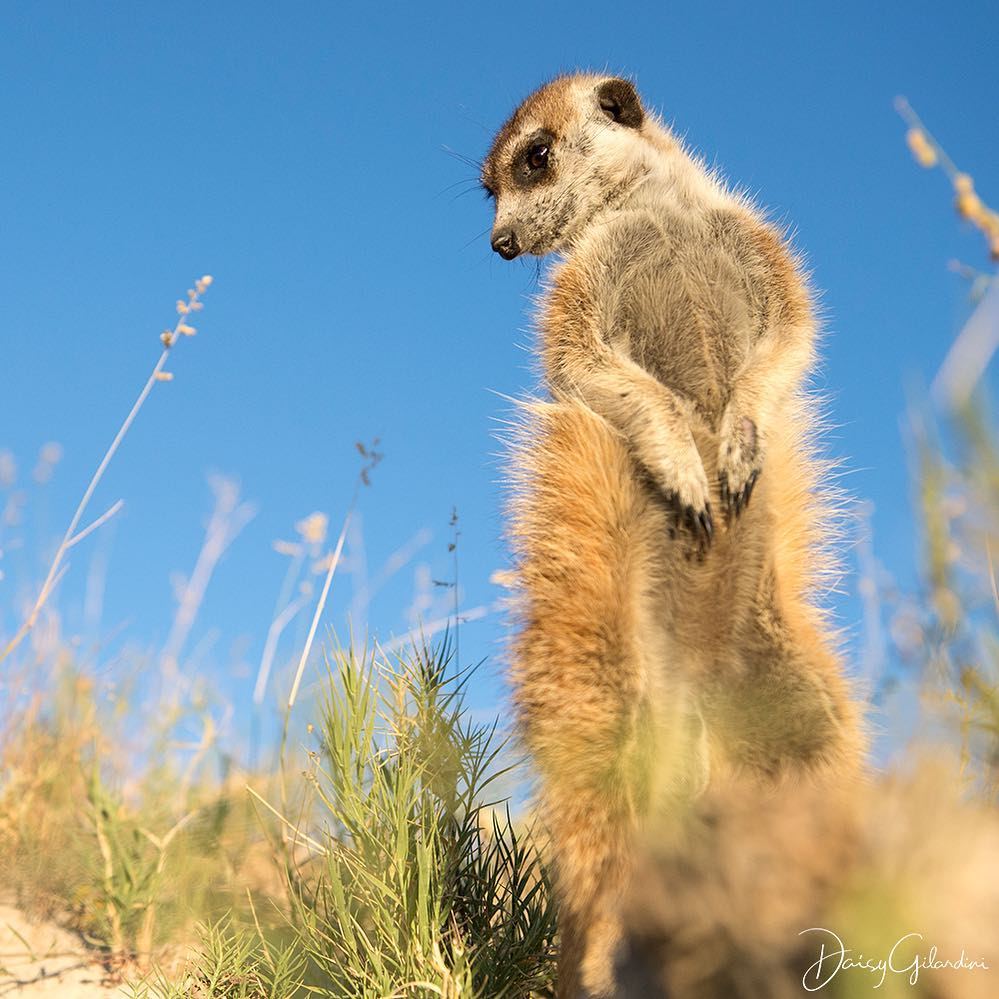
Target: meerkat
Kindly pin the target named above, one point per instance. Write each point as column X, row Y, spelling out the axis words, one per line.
column 668, row 522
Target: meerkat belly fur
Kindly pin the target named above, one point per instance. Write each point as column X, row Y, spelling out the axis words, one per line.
column 669, row 524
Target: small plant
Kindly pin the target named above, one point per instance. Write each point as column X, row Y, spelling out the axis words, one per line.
column 231, row 963
column 947, row 629
column 405, row 876
column 409, row 879
column 73, row 535
column 130, row 856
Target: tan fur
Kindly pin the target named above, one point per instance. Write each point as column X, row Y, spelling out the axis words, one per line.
column 723, row 909
column 668, row 635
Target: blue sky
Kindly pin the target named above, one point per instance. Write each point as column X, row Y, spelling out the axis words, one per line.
column 297, row 153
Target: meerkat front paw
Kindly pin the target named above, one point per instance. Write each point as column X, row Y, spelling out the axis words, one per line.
column 739, row 463
column 685, row 486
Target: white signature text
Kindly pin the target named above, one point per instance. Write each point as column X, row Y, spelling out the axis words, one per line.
column 904, row 958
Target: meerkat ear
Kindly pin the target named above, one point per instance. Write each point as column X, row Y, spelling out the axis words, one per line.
column 619, row 100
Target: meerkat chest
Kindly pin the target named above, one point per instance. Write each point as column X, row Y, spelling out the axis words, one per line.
column 683, row 314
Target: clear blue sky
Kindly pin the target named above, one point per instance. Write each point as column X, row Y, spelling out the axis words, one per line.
column 296, row 152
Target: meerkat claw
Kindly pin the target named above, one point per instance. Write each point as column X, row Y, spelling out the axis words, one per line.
column 707, row 524
column 725, row 494
column 735, row 502
column 700, row 525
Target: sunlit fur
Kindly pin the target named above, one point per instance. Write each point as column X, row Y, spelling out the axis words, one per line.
column 676, row 335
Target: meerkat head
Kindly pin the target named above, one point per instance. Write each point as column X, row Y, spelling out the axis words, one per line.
column 574, row 147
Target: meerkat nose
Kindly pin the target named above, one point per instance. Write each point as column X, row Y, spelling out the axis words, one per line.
column 505, row 243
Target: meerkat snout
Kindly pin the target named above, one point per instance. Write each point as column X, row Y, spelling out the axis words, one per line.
column 505, row 243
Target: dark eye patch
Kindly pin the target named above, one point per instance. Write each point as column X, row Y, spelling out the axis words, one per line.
column 531, row 163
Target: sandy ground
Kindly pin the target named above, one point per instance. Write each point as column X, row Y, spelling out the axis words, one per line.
column 41, row 959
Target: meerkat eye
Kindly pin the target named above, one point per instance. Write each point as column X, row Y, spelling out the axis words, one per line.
column 537, row 157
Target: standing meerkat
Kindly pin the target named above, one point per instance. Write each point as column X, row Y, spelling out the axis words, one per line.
column 668, row 524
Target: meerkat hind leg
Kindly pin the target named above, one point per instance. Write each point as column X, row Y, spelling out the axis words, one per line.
column 587, row 534
column 786, row 707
